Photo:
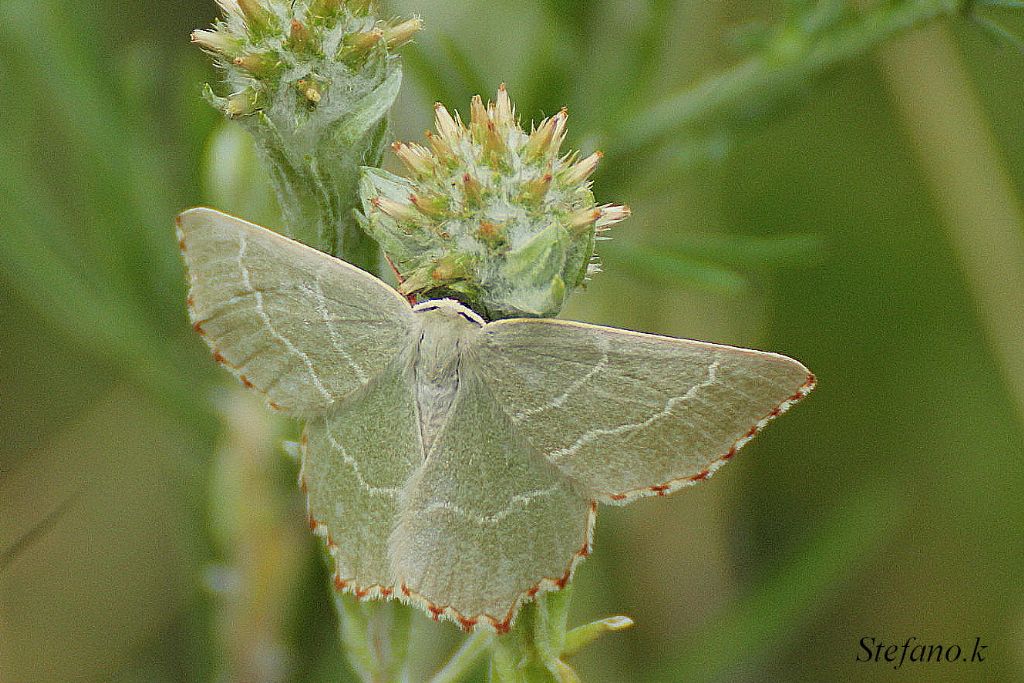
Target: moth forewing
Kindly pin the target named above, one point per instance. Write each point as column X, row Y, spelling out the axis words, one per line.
column 632, row 414
column 299, row 325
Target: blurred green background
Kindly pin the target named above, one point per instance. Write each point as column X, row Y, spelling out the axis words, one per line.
column 867, row 222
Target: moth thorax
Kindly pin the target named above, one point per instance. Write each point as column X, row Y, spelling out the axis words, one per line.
column 447, row 326
column 447, row 329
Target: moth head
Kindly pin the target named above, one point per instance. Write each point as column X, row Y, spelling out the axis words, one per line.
column 489, row 214
column 451, row 311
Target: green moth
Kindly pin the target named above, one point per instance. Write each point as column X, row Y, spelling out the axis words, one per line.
column 454, row 463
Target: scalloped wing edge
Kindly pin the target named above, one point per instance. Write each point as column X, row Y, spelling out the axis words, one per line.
column 673, row 485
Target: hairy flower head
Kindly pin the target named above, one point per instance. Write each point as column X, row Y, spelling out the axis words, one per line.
column 302, row 50
column 490, row 214
column 312, row 80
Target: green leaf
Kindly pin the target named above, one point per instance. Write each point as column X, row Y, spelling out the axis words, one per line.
column 581, row 636
column 779, row 70
column 673, row 270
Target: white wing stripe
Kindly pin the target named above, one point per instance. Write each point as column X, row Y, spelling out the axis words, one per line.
column 520, row 499
column 321, row 304
column 670, row 405
column 559, row 401
column 261, row 310
column 386, row 491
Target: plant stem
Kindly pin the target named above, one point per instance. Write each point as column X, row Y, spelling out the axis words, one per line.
column 791, row 60
column 532, row 652
column 354, row 636
column 375, row 637
column 973, row 191
column 465, row 658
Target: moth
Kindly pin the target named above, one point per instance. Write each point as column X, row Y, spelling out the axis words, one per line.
column 451, row 462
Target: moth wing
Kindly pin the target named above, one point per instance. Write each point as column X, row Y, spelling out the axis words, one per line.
column 487, row 522
column 301, row 326
column 355, row 461
column 629, row 414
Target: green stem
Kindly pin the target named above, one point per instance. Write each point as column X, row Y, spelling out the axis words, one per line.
column 793, row 59
column 465, row 658
column 355, row 636
column 317, row 202
column 375, row 636
column 532, row 652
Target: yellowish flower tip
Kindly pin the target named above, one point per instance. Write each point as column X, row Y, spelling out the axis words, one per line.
column 472, row 190
column 537, row 189
column 584, row 219
column 546, row 139
column 494, row 145
column 397, row 210
column 478, row 114
column 400, row 34
column 299, row 37
column 504, row 112
column 582, row 170
column 432, row 207
column 610, row 214
column 215, row 41
column 442, row 149
column 257, row 65
column 257, row 17
column 415, row 157
column 360, row 43
column 447, row 127
column 560, row 130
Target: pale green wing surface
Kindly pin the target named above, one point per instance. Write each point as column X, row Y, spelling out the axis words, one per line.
column 355, row 461
column 301, row 326
column 487, row 522
column 629, row 414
